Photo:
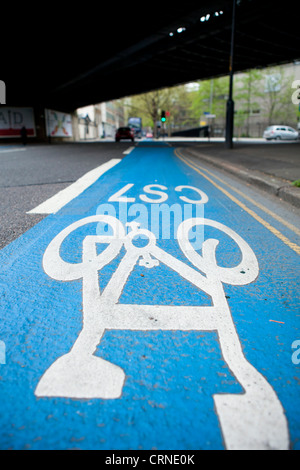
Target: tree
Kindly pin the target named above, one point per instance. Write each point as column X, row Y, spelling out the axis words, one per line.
column 211, row 98
column 248, row 91
column 277, row 96
column 177, row 100
column 181, row 107
column 149, row 105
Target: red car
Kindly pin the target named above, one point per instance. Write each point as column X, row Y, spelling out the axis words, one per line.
column 124, row 133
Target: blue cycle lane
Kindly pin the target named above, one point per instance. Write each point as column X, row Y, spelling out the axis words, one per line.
column 150, row 312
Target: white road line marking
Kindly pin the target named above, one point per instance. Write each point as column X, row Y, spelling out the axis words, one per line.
column 12, row 150
column 59, row 200
column 129, row 150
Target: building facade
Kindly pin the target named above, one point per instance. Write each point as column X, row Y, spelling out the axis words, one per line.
column 100, row 120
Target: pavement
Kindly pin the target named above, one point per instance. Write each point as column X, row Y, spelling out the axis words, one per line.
column 271, row 167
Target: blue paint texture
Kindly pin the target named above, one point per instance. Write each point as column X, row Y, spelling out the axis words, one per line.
column 171, row 376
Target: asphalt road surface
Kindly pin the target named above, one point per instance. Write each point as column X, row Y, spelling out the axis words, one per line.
column 30, row 175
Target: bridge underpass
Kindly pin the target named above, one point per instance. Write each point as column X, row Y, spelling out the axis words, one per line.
column 71, row 57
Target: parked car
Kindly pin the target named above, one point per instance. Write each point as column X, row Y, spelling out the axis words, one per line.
column 124, row 133
column 280, row 133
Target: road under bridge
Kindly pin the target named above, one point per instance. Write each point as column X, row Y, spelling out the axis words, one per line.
column 69, row 57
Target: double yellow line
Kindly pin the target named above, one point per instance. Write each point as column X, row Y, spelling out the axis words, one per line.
column 204, row 172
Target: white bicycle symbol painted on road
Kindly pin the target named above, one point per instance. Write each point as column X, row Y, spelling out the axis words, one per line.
column 254, row 419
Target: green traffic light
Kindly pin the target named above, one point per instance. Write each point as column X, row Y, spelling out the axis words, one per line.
column 163, row 119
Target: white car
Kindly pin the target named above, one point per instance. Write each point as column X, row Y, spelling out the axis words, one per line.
column 281, row 133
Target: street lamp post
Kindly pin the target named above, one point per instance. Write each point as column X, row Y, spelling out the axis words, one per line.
column 230, row 102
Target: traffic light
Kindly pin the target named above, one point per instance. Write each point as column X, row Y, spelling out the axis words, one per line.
column 163, row 116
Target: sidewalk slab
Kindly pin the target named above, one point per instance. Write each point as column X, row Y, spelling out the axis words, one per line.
column 269, row 182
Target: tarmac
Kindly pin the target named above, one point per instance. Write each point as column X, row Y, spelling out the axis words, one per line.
column 272, row 167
